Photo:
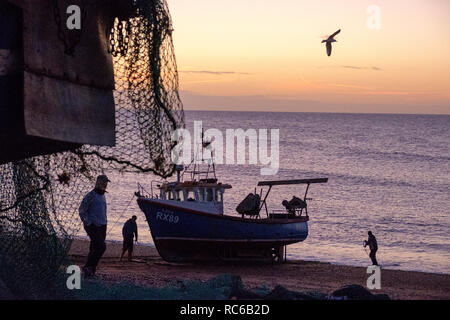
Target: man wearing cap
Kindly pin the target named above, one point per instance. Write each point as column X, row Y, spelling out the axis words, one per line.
column 93, row 215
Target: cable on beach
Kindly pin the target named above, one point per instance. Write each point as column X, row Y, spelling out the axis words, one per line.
column 120, row 217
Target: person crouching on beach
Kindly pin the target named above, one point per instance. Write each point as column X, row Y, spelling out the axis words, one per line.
column 128, row 231
column 93, row 215
column 372, row 243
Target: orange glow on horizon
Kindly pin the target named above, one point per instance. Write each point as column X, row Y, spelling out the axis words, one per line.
column 261, row 48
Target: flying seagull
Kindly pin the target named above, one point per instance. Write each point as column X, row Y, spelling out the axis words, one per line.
column 329, row 41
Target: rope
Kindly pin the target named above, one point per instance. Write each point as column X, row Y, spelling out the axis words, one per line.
column 121, row 216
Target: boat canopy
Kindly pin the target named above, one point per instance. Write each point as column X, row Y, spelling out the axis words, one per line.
column 308, row 182
column 298, row 181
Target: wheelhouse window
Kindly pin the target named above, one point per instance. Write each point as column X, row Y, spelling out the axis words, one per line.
column 209, row 194
column 180, row 195
column 171, row 195
column 189, row 195
column 201, row 194
column 218, row 195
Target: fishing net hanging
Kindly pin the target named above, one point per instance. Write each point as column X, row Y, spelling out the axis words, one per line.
column 146, row 92
column 40, row 196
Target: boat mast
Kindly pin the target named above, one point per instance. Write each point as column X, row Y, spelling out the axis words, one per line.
column 198, row 170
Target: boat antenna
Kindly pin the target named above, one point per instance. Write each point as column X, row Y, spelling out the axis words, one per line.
column 179, row 169
column 197, row 168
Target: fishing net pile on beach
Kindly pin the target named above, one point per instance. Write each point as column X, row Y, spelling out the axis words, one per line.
column 40, row 196
column 221, row 287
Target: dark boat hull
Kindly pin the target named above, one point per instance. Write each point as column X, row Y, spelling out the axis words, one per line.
column 182, row 234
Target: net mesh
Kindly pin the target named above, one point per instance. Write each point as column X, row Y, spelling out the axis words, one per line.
column 40, row 195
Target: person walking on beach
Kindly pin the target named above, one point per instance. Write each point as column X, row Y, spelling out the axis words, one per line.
column 373, row 246
column 92, row 212
column 128, row 231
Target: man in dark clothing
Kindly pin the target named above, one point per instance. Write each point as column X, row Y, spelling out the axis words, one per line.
column 93, row 214
column 128, row 231
column 372, row 243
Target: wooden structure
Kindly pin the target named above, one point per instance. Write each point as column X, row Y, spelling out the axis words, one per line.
column 51, row 101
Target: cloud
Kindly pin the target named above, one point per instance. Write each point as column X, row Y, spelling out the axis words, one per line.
column 213, row 72
column 390, row 93
column 248, row 102
column 361, row 68
column 342, row 85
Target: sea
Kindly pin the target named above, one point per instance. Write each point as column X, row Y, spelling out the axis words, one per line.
column 387, row 173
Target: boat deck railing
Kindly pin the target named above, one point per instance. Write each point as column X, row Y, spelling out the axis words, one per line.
column 154, row 186
column 283, row 213
column 142, row 192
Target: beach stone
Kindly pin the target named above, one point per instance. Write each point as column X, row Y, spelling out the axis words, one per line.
column 262, row 290
column 233, row 287
column 281, row 293
column 357, row 292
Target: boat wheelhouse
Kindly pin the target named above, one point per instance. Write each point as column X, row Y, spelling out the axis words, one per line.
column 204, row 195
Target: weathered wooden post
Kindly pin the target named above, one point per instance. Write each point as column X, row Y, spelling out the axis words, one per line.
column 50, row 100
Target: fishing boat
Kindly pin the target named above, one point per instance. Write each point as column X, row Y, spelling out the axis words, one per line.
column 187, row 220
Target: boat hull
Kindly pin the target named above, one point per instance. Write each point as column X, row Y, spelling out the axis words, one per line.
column 182, row 234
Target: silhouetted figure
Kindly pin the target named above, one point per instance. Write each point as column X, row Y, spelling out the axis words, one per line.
column 294, row 203
column 128, row 231
column 373, row 246
column 93, row 214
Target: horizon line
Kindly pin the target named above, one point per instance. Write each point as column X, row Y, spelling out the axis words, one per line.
column 326, row 112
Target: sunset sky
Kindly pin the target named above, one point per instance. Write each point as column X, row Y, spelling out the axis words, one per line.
column 266, row 55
